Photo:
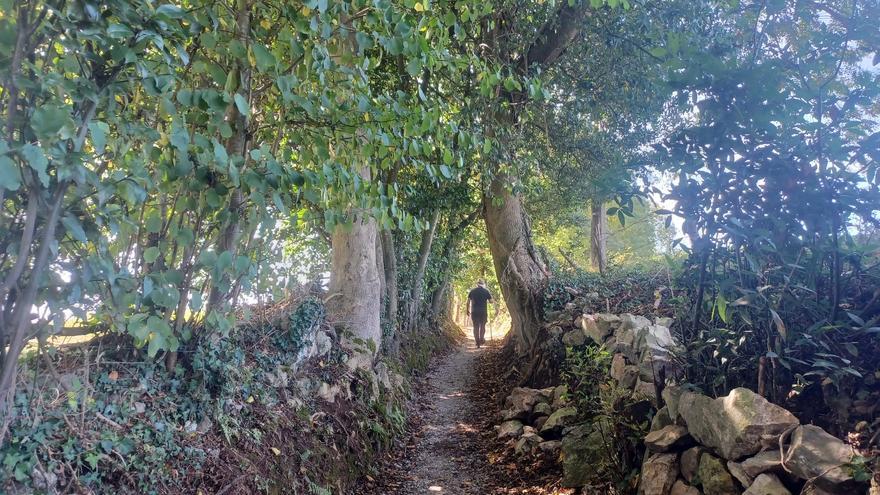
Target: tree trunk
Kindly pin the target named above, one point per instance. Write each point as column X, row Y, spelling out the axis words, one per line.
column 389, row 264
column 518, row 267
column 236, row 146
column 598, row 236
column 380, row 269
column 521, row 272
column 354, row 299
column 415, row 303
column 445, row 260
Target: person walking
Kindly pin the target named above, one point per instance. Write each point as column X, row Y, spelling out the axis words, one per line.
column 478, row 310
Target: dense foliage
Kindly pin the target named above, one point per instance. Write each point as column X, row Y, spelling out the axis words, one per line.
column 777, row 175
column 169, row 168
column 156, row 157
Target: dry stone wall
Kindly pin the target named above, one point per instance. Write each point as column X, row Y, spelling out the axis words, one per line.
column 736, row 444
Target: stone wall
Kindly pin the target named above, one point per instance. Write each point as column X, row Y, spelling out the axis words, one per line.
column 737, row 444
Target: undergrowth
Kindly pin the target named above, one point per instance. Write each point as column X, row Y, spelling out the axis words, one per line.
column 237, row 414
column 633, row 290
column 617, row 419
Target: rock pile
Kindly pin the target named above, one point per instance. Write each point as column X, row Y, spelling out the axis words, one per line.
column 728, row 445
column 731, row 445
column 641, row 350
column 534, row 419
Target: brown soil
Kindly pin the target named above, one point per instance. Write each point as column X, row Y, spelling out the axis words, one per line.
column 451, row 447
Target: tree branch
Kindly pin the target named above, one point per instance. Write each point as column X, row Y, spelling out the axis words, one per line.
column 555, row 36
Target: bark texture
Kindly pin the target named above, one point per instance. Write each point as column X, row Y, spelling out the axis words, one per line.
column 520, row 269
column 355, row 289
column 521, row 272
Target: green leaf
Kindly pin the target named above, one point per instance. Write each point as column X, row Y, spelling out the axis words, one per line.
column 195, row 301
column 157, row 343
column 242, row 263
column 185, row 236
column 48, row 121
column 171, row 11
column 224, row 261
column 208, row 258
column 119, row 31
column 265, row 59
column 447, row 157
column 780, row 325
column 137, row 327
column 721, row 301
column 212, row 198
column 242, row 105
column 10, row 175
column 220, row 154
column 150, row 254
column 99, row 131
column 658, row 51
column 74, row 228
column 153, row 222
column 179, row 137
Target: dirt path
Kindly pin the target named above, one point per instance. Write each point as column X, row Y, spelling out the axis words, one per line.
column 445, row 453
column 452, row 447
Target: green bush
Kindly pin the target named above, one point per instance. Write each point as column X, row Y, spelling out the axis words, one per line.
column 620, row 420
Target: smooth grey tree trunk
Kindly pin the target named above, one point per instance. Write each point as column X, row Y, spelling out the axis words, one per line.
column 355, row 289
column 598, row 236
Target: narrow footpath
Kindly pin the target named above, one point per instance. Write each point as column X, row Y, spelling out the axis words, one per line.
column 445, row 458
column 452, row 448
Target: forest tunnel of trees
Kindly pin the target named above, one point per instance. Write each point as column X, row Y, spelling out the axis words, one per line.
column 176, row 176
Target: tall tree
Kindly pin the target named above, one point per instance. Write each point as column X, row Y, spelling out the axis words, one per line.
column 519, row 268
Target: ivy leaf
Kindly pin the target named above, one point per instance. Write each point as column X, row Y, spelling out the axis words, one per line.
column 157, row 343
column 137, row 327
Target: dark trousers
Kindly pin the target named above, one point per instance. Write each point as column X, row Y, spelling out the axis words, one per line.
column 479, row 327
